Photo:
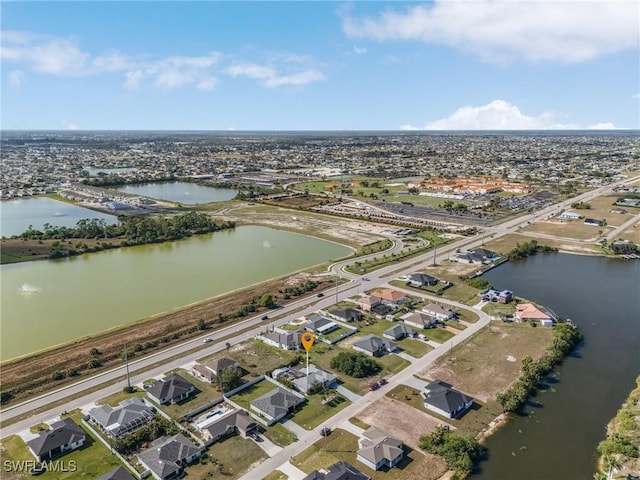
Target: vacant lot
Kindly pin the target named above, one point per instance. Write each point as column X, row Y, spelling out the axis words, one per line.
column 574, row 229
column 258, row 358
column 489, row 361
column 509, row 242
column 314, row 412
column 228, row 459
column 399, row 420
column 342, row 446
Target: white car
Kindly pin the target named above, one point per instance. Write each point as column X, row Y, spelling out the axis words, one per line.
column 207, row 340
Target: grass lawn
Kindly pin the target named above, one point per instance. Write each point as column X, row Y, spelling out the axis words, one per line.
column 393, row 363
column 117, row 397
column 276, row 475
column 342, row 446
column 205, row 393
column 415, row 348
column 313, row 412
column 227, row 460
column 322, row 355
column 91, row 460
column 471, row 423
column 495, row 308
column 38, row 427
column 467, row 315
column 437, row 334
column 456, row 325
column 359, row 423
column 248, row 395
column 258, row 358
column 372, row 326
column 278, row 434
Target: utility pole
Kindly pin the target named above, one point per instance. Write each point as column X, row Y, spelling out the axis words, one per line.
column 336, row 290
column 126, row 365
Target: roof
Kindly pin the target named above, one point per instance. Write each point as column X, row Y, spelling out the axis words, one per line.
column 161, row 458
column 61, row 433
column 347, row 313
column 419, row 318
column 284, row 338
column 277, row 402
column 119, row 473
column 368, row 300
column 338, row 471
column 442, row 396
column 391, row 295
column 372, row 343
column 239, row 419
column 399, row 331
column 315, row 375
column 483, row 252
column 422, row 278
column 377, row 445
column 172, row 387
column 318, row 323
column 434, row 307
column 117, row 420
column 529, row 310
column 221, row 363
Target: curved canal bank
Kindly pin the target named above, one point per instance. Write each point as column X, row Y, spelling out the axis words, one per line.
column 556, row 435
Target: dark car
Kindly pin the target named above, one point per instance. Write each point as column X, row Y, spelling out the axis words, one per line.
column 374, row 386
column 320, row 295
column 256, row 437
column 383, row 381
column 325, row 431
column 265, row 317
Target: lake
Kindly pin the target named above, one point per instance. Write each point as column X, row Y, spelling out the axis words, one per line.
column 557, row 438
column 45, row 303
column 181, row 192
column 16, row 215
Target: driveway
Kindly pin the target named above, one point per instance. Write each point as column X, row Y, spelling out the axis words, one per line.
column 406, row 356
column 415, row 383
column 268, row 446
column 294, row 473
column 350, row 427
column 352, row 397
column 294, row 428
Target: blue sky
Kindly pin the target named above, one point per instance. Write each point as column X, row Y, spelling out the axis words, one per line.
column 484, row 64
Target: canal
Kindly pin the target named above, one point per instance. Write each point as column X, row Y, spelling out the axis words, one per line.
column 45, row 303
column 556, row 435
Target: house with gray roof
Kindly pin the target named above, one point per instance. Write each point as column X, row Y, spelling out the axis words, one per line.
column 421, row 280
column 377, row 449
column 312, row 376
column 374, row 346
column 62, row 437
column 236, row 422
column 283, row 340
column 438, row 311
column 119, row 473
column 209, row 371
column 276, row 404
column 130, row 415
column 442, row 398
column 338, row 471
column 167, row 457
column 398, row 332
column 347, row 314
column 170, row 390
column 420, row 320
column 320, row 325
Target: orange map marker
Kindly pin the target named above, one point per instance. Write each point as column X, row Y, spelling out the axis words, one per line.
column 307, row 340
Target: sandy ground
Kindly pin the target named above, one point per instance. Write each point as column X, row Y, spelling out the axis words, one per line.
column 399, row 420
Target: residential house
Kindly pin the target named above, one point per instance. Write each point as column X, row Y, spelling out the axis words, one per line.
column 421, row 280
column 235, row 422
column 130, row 415
column 594, row 223
column 367, row 302
column 338, row 471
column 442, row 398
column 374, row 346
column 505, row 296
column 313, row 376
column 528, row 312
column 438, row 311
column 208, row 372
column 398, row 332
column 320, row 325
column 347, row 314
column 420, row 320
column 392, row 297
column 377, row 449
column 119, row 473
column 570, row 215
column 383, row 310
column 283, row 340
column 276, row 404
column 482, row 255
column 170, row 390
column 63, row 436
column 623, row 247
column 167, row 457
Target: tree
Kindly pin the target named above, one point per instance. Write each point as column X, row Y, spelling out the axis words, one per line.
column 355, row 364
column 267, row 301
column 460, row 452
column 202, row 324
column 229, row 378
column 95, row 352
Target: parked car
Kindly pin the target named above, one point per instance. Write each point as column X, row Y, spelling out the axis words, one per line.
column 325, row 431
column 265, row 317
column 374, row 386
column 256, row 437
column 383, row 381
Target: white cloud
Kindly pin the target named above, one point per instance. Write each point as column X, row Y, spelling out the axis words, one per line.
column 501, row 115
column 70, row 126
column 602, row 126
column 636, row 96
column 359, row 51
column 269, row 77
column 565, row 31
column 15, row 78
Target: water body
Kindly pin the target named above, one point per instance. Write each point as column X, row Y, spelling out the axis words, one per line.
column 558, row 438
column 16, row 215
column 45, row 303
column 181, row 192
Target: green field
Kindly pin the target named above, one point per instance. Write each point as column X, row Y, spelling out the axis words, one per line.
column 313, row 413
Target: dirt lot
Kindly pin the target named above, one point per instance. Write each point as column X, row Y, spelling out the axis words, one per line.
column 399, row 420
column 501, row 347
column 32, row 375
column 508, row 242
